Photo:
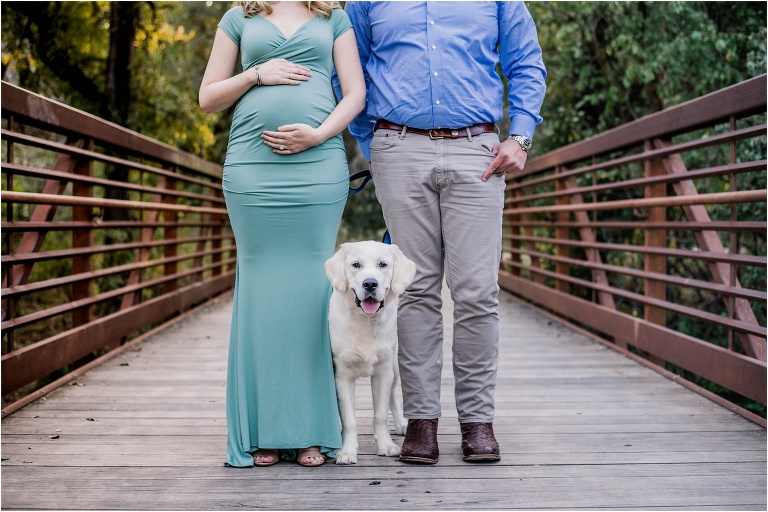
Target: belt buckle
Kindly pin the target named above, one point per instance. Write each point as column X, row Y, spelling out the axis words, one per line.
column 435, row 137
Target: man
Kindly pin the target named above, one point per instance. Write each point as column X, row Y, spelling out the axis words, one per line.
column 438, row 167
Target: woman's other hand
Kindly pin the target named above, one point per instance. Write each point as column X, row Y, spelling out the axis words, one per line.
column 292, row 138
column 282, row 72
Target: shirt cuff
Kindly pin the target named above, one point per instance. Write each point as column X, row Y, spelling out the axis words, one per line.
column 522, row 125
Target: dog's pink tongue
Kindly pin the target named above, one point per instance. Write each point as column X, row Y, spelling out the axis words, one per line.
column 370, row 305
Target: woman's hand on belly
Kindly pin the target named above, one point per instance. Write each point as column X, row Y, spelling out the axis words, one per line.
column 292, row 138
column 282, row 72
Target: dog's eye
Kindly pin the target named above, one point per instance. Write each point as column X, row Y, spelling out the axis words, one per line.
column 383, row 264
column 356, row 265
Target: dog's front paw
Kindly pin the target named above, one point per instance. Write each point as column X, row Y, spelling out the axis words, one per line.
column 388, row 450
column 400, row 425
column 345, row 457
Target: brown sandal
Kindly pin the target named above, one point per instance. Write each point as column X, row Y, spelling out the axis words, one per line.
column 312, row 455
column 272, row 457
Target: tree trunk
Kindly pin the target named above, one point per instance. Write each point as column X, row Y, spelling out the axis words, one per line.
column 124, row 20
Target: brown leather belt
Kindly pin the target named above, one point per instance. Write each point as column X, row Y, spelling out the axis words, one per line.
column 441, row 133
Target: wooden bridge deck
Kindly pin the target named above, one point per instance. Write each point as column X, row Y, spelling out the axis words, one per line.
column 580, row 426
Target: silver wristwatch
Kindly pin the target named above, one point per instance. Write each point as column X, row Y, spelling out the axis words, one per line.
column 524, row 142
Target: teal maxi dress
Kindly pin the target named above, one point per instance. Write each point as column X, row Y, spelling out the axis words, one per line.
column 285, row 212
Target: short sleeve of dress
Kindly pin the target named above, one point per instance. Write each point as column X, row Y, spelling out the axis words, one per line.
column 232, row 23
column 341, row 22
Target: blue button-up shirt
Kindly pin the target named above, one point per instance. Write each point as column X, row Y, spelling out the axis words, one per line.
column 433, row 65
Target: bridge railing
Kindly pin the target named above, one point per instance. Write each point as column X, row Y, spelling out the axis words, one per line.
column 106, row 234
column 652, row 238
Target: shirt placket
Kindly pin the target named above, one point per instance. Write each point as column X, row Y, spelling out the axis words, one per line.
column 433, row 53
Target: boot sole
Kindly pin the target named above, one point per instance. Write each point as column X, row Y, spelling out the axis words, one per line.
column 482, row 458
column 417, row 460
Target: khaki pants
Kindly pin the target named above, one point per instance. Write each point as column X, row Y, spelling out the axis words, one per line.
column 448, row 221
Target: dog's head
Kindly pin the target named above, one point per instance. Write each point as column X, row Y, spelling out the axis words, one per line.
column 370, row 271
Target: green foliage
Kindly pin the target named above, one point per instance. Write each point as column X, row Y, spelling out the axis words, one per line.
column 60, row 50
column 609, row 63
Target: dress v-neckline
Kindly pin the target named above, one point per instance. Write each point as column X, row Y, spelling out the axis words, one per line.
column 280, row 31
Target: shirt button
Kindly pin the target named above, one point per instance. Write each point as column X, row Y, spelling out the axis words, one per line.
column 434, row 47
column 437, row 102
column 435, row 73
column 431, row 22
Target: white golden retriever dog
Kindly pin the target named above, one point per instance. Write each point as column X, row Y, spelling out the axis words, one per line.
column 367, row 278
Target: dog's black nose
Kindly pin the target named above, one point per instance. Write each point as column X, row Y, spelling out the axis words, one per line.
column 370, row 285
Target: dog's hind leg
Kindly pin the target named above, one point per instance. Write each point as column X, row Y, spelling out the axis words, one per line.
column 381, row 387
column 396, row 403
column 345, row 389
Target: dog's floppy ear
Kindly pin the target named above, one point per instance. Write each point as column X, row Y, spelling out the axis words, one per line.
column 336, row 270
column 404, row 271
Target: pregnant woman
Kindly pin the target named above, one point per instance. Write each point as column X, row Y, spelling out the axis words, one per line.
column 285, row 184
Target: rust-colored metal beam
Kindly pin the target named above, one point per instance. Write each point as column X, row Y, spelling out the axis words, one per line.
column 34, row 172
column 744, row 196
column 212, row 183
column 742, row 99
column 36, row 110
column 30, row 198
column 710, row 242
column 744, row 375
column 40, row 359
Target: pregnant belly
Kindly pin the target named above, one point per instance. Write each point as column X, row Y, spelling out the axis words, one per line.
column 269, row 107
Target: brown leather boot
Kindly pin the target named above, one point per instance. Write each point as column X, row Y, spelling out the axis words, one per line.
column 420, row 444
column 478, row 442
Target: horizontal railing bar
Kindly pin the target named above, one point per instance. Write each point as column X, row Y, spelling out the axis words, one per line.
column 101, row 157
column 740, row 168
column 31, row 198
column 743, row 133
column 737, row 325
column 87, row 251
column 31, row 108
column 70, row 306
column 739, row 100
column 16, row 227
column 40, row 286
column 745, row 196
column 21, row 170
column 739, row 373
column 734, row 291
column 736, row 259
column 671, row 225
column 39, row 359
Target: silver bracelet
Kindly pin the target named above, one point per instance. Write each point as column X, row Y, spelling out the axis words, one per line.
column 258, row 76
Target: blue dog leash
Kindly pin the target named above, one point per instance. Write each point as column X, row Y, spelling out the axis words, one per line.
column 352, row 191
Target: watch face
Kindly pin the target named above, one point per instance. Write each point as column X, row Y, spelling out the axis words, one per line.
column 525, row 142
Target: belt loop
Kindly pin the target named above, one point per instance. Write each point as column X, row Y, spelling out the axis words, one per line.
column 402, row 132
column 469, row 133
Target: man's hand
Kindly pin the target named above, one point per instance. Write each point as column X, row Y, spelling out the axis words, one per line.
column 510, row 158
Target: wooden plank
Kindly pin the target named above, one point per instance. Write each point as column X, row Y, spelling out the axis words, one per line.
column 402, row 493
column 743, row 98
column 580, row 427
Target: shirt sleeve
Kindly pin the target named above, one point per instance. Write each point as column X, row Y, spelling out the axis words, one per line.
column 523, row 65
column 361, row 127
column 341, row 22
column 232, row 24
